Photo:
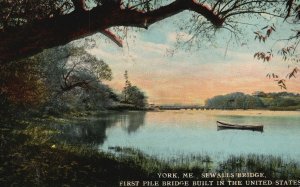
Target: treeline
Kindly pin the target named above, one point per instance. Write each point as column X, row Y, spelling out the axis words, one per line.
column 257, row 100
column 62, row 80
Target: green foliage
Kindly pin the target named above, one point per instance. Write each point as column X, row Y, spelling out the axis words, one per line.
column 74, row 78
column 258, row 100
column 22, row 85
column 281, row 101
column 71, row 67
column 236, row 100
column 135, row 96
column 58, row 80
column 132, row 94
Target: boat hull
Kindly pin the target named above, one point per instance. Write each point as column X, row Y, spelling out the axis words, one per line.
column 223, row 126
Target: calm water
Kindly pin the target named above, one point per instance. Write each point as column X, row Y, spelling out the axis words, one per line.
column 176, row 133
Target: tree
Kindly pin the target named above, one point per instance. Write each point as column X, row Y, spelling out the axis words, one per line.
column 132, row 94
column 65, row 68
column 136, row 97
column 22, row 84
column 126, row 87
column 74, row 77
column 82, row 70
column 236, row 100
column 27, row 28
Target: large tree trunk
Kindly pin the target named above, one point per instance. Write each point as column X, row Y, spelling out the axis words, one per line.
column 32, row 38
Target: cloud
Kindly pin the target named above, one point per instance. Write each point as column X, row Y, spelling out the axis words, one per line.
column 188, row 76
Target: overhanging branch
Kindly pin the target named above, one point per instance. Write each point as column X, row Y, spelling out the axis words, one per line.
column 31, row 39
column 117, row 40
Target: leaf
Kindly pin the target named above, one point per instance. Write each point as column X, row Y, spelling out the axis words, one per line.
column 265, row 27
column 281, row 83
column 269, row 31
column 273, row 28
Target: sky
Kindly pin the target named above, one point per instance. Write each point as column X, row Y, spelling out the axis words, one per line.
column 192, row 76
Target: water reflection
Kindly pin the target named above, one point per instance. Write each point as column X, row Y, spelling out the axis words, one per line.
column 93, row 131
column 174, row 133
column 171, row 134
column 133, row 121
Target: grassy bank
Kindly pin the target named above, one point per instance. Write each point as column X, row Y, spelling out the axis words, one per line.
column 32, row 156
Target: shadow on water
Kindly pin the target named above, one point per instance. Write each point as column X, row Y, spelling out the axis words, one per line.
column 226, row 129
column 133, row 121
column 93, row 131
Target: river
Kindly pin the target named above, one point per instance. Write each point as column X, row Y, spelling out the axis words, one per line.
column 169, row 134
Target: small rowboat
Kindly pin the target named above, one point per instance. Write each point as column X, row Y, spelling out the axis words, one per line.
column 222, row 125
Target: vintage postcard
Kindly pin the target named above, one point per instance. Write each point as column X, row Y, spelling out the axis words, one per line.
column 149, row 93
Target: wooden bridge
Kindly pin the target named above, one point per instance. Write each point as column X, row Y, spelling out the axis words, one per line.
column 191, row 107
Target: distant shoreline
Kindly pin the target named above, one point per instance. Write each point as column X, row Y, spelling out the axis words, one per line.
column 256, row 109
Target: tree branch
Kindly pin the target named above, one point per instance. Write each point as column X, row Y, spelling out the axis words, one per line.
column 74, row 85
column 251, row 12
column 116, row 39
column 79, row 5
column 30, row 39
column 179, row 6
